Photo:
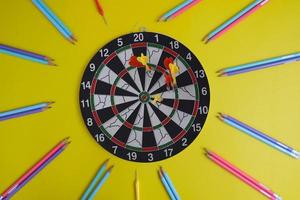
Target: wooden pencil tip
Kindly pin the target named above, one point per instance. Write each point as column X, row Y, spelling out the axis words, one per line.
column 206, row 151
column 110, row 168
column 65, row 140
column 50, row 102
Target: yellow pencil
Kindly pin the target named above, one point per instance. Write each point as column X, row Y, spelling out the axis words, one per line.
column 137, row 187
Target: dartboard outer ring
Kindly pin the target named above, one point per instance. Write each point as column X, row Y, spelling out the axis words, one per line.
column 196, row 75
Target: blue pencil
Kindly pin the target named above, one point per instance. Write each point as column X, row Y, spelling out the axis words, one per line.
column 94, row 181
column 169, row 182
column 24, row 52
column 100, row 184
column 233, row 19
column 57, row 23
column 24, row 109
column 259, row 135
column 174, row 10
column 257, row 67
column 167, row 187
column 54, row 17
column 281, row 59
column 26, row 56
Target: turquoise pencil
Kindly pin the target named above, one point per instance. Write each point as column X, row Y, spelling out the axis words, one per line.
column 94, row 181
column 100, row 184
column 167, row 187
column 174, row 10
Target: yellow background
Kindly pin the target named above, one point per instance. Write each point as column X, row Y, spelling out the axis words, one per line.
column 267, row 99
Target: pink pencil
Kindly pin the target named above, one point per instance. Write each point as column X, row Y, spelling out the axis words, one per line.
column 242, row 176
column 253, row 10
column 35, row 167
column 182, row 10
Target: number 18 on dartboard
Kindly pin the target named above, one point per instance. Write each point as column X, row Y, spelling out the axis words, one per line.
column 144, row 97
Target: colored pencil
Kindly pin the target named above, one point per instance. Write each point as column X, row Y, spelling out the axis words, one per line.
column 167, row 187
column 259, row 135
column 5, row 49
column 242, row 175
column 22, row 51
column 170, row 184
column 219, row 31
column 100, row 184
column 178, row 9
column 37, row 171
column 137, row 187
column 35, row 168
column 95, row 180
column 260, row 64
column 24, row 111
column 23, row 114
column 58, row 24
column 182, row 10
column 100, row 10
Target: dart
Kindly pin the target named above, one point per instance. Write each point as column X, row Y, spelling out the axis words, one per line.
column 173, row 69
column 144, row 60
column 100, row 10
column 143, row 117
column 156, row 99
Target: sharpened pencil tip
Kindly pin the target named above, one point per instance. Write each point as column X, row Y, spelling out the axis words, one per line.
column 110, row 168
column 50, row 102
column 65, row 140
column 206, row 150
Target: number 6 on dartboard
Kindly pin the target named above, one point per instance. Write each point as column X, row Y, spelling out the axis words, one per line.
column 144, row 97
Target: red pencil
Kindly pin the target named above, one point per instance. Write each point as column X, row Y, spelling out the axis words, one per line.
column 34, row 168
column 242, row 175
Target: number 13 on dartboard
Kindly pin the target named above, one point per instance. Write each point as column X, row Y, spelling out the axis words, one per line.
column 144, row 97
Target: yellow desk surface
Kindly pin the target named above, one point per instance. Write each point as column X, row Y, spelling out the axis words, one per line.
column 267, row 99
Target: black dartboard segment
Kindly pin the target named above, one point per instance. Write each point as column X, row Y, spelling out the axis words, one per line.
column 116, row 99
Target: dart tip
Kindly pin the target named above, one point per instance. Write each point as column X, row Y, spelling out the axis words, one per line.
column 104, row 19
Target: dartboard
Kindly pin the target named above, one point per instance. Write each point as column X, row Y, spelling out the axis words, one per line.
column 144, row 97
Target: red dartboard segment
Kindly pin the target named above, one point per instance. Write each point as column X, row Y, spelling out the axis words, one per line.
column 179, row 136
column 140, row 44
column 149, row 149
column 109, row 58
column 196, row 108
column 120, row 95
column 192, row 75
column 96, row 118
column 170, row 51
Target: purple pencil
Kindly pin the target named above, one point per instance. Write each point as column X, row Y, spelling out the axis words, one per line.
column 23, row 113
